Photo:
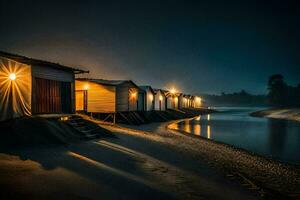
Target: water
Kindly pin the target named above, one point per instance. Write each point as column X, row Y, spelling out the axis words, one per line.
column 277, row 139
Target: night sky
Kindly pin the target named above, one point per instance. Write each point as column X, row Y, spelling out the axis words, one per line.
column 197, row 47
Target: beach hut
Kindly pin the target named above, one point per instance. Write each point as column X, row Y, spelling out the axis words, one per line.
column 106, row 96
column 159, row 100
column 149, row 97
column 30, row 86
column 171, row 99
column 184, row 101
column 197, row 103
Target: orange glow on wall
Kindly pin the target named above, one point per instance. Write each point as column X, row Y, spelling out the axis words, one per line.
column 133, row 95
column 151, row 97
column 15, row 89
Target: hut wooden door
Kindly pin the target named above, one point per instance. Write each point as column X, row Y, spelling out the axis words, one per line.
column 52, row 96
column 81, row 100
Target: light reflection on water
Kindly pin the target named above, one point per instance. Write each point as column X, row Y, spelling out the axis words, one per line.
column 277, row 139
column 208, row 132
column 197, row 129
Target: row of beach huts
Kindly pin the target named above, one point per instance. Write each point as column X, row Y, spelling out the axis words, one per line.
column 31, row 86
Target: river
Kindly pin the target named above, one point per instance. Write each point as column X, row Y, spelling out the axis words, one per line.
column 276, row 139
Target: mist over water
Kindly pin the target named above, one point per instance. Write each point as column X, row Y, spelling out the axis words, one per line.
column 273, row 138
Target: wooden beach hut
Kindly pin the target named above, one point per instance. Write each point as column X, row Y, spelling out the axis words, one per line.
column 149, row 98
column 30, row 86
column 197, row 102
column 159, row 100
column 184, row 101
column 106, row 96
column 172, row 99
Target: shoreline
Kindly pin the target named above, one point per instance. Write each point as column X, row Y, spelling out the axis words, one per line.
column 267, row 176
column 238, row 168
column 229, row 145
column 290, row 114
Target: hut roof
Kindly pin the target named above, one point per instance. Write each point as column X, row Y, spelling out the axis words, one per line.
column 157, row 90
column 108, row 82
column 33, row 61
column 147, row 87
column 169, row 94
column 187, row 96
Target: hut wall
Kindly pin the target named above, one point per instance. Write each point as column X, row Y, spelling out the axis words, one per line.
column 15, row 96
column 52, row 74
column 180, row 102
column 127, row 95
column 141, row 101
column 170, row 103
column 149, row 101
column 133, row 99
column 100, row 98
column 198, row 104
column 157, row 100
column 175, row 102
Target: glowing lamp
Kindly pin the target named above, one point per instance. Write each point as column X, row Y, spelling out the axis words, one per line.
column 12, row 76
column 160, row 98
column 86, row 86
column 150, row 97
column 173, row 91
column 133, row 95
column 198, row 99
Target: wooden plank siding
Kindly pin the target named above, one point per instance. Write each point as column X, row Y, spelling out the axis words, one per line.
column 160, row 101
column 52, row 90
column 100, row 98
column 122, row 98
column 149, row 100
column 52, row 74
column 127, row 97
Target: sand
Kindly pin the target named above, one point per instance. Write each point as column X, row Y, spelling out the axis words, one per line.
column 143, row 162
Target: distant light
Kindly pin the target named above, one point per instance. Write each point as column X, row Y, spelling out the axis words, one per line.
column 12, row 76
column 173, row 91
column 64, row 118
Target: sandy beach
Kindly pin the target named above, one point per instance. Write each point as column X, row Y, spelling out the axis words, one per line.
column 148, row 161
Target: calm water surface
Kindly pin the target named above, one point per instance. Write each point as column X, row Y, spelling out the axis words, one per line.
column 277, row 139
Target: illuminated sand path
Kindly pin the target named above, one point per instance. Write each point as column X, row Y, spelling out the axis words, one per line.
column 135, row 165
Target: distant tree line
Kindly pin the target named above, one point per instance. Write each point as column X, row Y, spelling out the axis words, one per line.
column 241, row 98
column 280, row 94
